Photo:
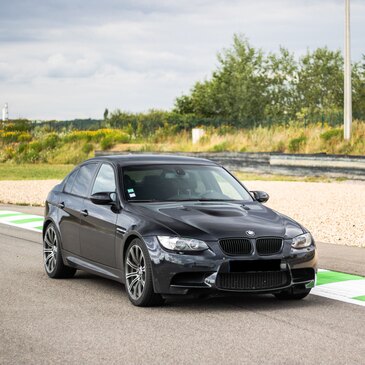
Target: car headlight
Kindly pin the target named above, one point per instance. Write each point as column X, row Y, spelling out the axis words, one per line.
column 302, row 241
column 182, row 244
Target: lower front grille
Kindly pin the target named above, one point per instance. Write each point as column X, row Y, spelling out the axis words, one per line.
column 253, row 280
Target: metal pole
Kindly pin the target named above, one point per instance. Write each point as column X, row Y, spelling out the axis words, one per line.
column 347, row 76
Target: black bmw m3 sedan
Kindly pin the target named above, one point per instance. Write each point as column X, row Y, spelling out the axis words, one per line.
column 173, row 225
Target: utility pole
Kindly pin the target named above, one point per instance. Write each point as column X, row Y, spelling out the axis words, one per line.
column 347, row 76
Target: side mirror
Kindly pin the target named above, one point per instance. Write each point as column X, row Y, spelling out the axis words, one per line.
column 260, row 196
column 103, row 198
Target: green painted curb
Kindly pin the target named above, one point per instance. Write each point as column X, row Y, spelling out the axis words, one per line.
column 10, row 215
column 327, row 277
column 361, row 297
column 27, row 220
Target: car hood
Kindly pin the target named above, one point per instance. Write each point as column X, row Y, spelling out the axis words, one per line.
column 215, row 220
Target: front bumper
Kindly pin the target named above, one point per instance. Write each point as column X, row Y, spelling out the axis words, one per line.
column 175, row 273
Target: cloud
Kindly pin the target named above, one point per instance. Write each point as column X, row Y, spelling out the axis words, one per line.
column 66, row 59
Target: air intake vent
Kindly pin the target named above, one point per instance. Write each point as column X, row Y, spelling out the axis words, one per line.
column 253, row 280
column 268, row 246
column 236, row 246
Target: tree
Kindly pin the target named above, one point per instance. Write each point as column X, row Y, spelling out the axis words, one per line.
column 106, row 113
column 282, row 74
column 320, row 82
column 358, row 86
column 236, row 91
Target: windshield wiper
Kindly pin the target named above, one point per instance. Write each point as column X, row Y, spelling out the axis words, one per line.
column 145, row 201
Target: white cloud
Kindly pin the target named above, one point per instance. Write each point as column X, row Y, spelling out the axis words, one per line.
column 67, row 59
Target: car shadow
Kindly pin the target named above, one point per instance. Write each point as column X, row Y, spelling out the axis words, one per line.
column 214, row 302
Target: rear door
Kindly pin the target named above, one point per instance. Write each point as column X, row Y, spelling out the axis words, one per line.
column 98, row 222
column 71, row 203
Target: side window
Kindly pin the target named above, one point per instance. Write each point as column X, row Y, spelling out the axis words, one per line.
column 83, row 179
column 70, row 182
column 105, row 180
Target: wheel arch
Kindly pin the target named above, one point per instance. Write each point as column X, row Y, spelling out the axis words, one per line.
column 132, row 235
column 46, row 223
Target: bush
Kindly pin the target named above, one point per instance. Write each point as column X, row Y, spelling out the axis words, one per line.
column 10, row 137
column 107, row 143
column 87, row 148
column 51, row 141
column 296, row 144
column 36, row 146
column 24, row 137
column 221, row 147
column 331, row 134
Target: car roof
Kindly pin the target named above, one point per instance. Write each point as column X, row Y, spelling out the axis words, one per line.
column 155, row 159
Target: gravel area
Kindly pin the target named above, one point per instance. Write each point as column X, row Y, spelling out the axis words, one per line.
column 333, row 212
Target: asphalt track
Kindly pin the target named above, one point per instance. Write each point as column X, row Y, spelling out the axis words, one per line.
column 89, row 320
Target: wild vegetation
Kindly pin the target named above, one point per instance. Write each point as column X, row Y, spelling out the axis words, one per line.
column 253, row 102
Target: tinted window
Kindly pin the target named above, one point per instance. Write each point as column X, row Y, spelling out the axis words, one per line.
column 105, row 180
column 181, row 182
column 70, row 181
column 83, row 180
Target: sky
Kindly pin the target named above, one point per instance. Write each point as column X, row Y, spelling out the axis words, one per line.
column 62, row 59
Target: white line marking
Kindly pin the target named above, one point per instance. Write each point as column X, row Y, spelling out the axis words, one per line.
column 336, row 297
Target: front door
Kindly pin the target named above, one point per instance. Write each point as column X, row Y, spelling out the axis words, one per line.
column 98, row 222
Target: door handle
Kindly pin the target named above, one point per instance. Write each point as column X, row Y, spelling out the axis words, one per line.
column 84, row 212
column 61, row 205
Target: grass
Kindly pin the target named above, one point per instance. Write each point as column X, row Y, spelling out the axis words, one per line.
column 33, row 171
column 287, row 139
column 72, row 147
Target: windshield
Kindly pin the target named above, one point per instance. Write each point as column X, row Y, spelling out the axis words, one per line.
column 181, row 183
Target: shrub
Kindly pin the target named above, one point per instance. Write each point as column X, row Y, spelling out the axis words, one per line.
column 331, row 134
column 296, row 144
column 87, row 148
column 51, row 141
column 24, row 137
column 9, row 137
column 221, row 147
column 35, row 146
column 8, row 153
column 107, row 143
column 22, row 147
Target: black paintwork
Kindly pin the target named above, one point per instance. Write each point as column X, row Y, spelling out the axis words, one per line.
column 95, row 234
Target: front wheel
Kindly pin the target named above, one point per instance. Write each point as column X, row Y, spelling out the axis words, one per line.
column 138, row 276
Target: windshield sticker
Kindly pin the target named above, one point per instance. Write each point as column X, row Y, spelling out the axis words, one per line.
column 131, row 193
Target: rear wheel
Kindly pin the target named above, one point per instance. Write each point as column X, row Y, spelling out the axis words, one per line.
column 293, row 293
column 138, row 276
column 52, row 256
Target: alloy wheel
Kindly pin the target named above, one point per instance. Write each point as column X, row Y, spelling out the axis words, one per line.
column 50, row 249
column 135, row 272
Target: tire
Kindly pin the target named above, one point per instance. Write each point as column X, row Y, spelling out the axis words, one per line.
column 138, row 276
column 293, row 294
column 52, row 256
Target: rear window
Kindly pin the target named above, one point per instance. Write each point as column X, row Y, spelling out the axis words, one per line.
column 70, row 181
column 83, row 180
